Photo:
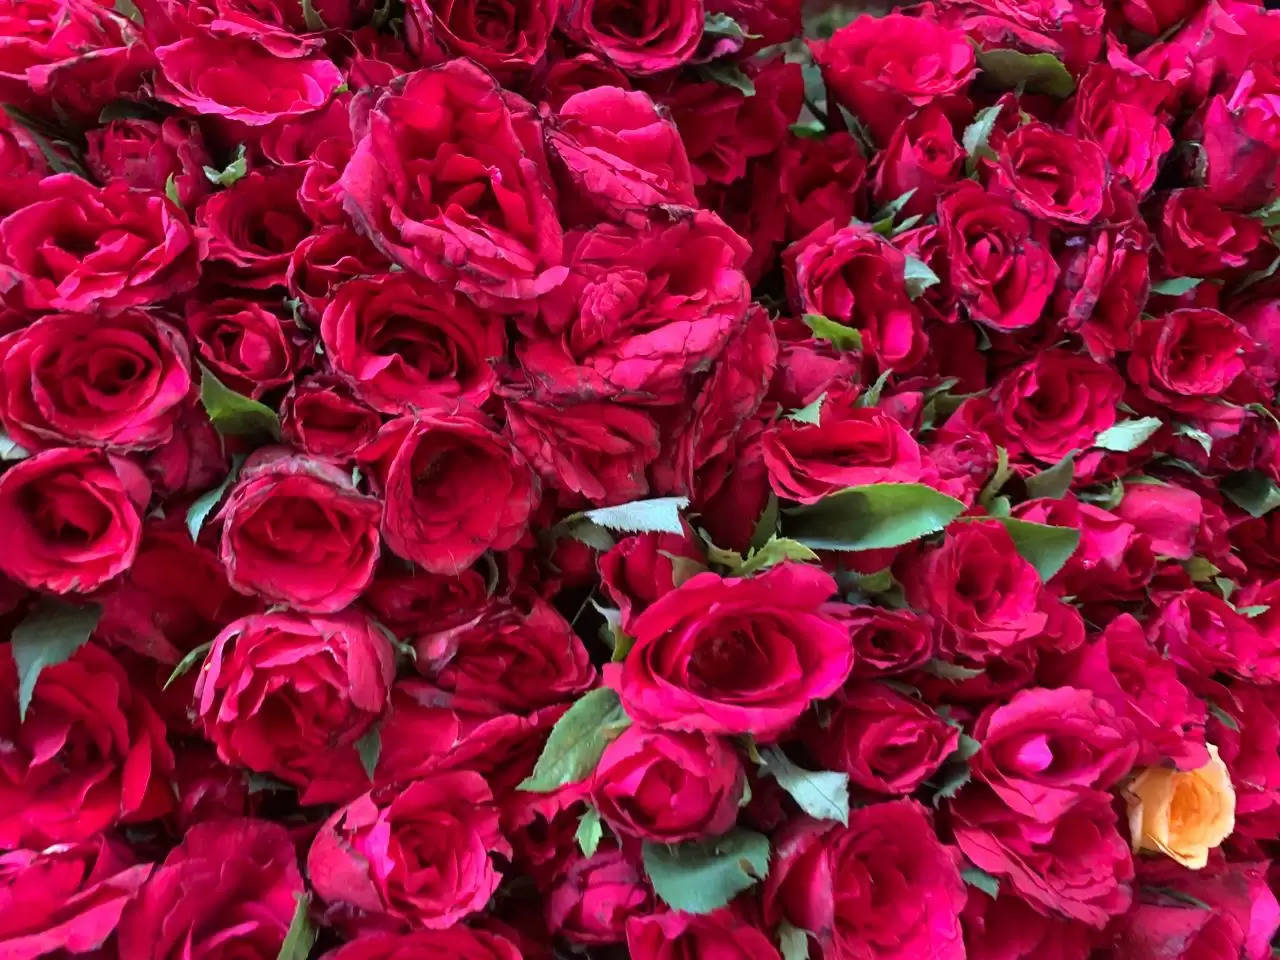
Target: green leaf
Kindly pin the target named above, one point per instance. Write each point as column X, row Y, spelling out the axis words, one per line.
column 1054, row 482
column 1252, row 491
column 234, row 414
column 891, row 209
column 872, row 517
column 590, row 832
column 823, row 795
column 919, row 276
column 978, row 134
column 1224, row 718
column 1200, row 569
column 10, row 449
column 51, row 633
column 871, row 396
column 1255, row 610
column 59, row 160
column 232, row 172
column 314, row 22
column 1177, row 895
column 301, row 936
column 1032, row 72
column 1176, row 286
column 171, row 191
column 776, row 551
column 723, row 25
column 1045, row 547
column 808, row 130
column 951, row 671
column 703, row 875
column 1196, row 434
column 1127, row 435
column 955, row 772
column 661, row 515
column 793, row 943
column 730, row 74
column 593, row 535
column 129, row 10
column 840, row 336
column 203, row 505
column 766, row 527
column 982, row 880
column 189, row 660
column 999, row 477
column 810, row 413
column 369, row 747
column 579, row 737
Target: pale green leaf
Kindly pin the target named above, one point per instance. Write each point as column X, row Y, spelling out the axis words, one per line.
column 1127, row 435
column 579, row 737
column 234, row 414
column 232, row 172
column 590, row 832
column 703, row 875
column 1252, row 491
column 369, row 748
column 190, row 659
column 51, row 633
column 776, row 551
column 919, row 277
column 810, row 413
column 981, row 880
column 301, row 935
column 840, row 336
column 872, row 517
column 1054, row 482
column 977, row 135
column 660, row 515
column 729, row 74
column 1176, row 286
column 822, row 794
column 1043, row 546
column 1032, row 72
column 203, row 505
column 793, row 943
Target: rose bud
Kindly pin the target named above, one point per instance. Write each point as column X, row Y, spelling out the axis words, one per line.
column 885, row 641
column 641, row 568
column 290, row 695
column 323, row 261
column 509, row 39
column 1182, row 813
column 923, row 157
column 1058, row 402
column 249, row 348
column 592, row 901
column 1197, row 238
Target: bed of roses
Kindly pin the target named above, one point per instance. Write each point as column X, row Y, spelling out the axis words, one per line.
column 667, row 479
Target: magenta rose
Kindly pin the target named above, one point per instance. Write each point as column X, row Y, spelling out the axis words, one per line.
column 882, row 886
column 327, row 258
column 592, row 901
column 821, row 180
column 80, row 247
column 1008, row 928
column 1198, row 238
column 89, row 754
column 737, row 655
column 421, row 856
column 499, row 251
column 677, row 936
column 1053, row 176
column 229, row 889
column 290, row 695
column 658, row 35
column 1057, row 402
column 72, row 519
column 253, row 227
column 84, row 379
column 456, row 943
column 323, row 417
column 923, row 157
column 1240, row 140
column 145, row 154
column 885, row 641
column 250, row 348
column 639, row 569
column 1203, row 633
column 452, row 488
column 1121, row 113
column 1187, row 355
column 404, row 343
column 1246, row 729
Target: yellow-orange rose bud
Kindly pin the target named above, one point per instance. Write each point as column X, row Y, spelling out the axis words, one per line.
column 1182, row 813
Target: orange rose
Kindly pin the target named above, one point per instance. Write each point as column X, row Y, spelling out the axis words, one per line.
column 1182, row 813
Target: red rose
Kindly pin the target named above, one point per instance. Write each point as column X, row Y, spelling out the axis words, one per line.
column 253, row 227
column 1077, row 865
column 641, row 310
column 1001, row 268
column 412, row 602
column 507, row 39
column 1187, row 355
column 228, row 889
column 1198, row 238
column 250, row 348
column 923, row 157
column 324, row 260
column 233, row 76
column 84, row 379
column 404, row 343
column 421, row 856
column 668, row 787
column 846, row 448
column 620, row 156
column 452, row 488
column 145, row 154
column 882, row 886
column 1052, row 176
column 1057, row 402
column 886, row 641
column 885, row 741
column 22, row 164
column 640, row 569
column 854, row 276
column 90, row 753
column 596, row 896
column 883, row 69
column 456, row 943
column 287, row 694
column 1240, row 141
column 295, row 531
column 678, row 936
column 1008, row 928
column 321, row 416
column 80, row 247
column 1205, row 634
column 1246, row 729
column 659, row 36
column 496, row 253
column 1122, row 114
column 822, row 180
column 737, row 655
column 71, row 519
column 64, row 900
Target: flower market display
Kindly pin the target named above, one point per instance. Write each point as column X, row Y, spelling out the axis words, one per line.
column 651, row 479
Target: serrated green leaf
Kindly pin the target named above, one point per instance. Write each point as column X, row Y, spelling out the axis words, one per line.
column 660, row 515
column 723, row 25
column 999, row 477
column 1054, row 482
column 590, row 832
column 703, row 875
column 1176, row 286
column 1225, row 586
column 919, row 277
column 977, row 135
column 1254, row 610
column 1127, row 435
column 593, row 535
column 189, row 660
column 51, row 633
column 840, row 336
column 871, row 396
column 729, row 74
column 872, row 517
column 981, row 880
column 301, row 936
column 232, row 172
column 1252, row 491
column 1200, row 569
column 579, row 737
column 955, row 772
column 766, row 527
column 1043, row 546
column 808, row 130
column 894, row 207
column 810, row 413
column 1194, row 433
column 369, row 747
column 822, row 794
column 793, row 943
column 203, row 505
column 234, row 414
column 171, row 191
column 777, row 550
column 1032, row 72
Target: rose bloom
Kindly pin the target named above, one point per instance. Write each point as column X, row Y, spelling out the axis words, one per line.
column 80, row 247
column 421, row 856
column 322, row 416
column 253, row 227
column 90, row 753
column 661, row 35
column 1122, row 114
column 923, row 156
column 668, row 786
column 452, row 488
column 228, row 889
column 145, row 154
column 677, row 936
column 1203, row 633
column 1009, row 928
column 295, row 531
column 65, row 900
column 1188, row 353
column 884, row 883
column 592, row 901
column 456, row 943
column 883, row 69
column 641, row 568
column 1249, row 744
column 1058, row 402
column 1240, row 140
column 1198, row 238
column 885, row 641
column 1053, row 176
column 822, row 180
column 290, row 695
column 249, row 348
column 483, row 220
column 85, row 379
column 71, row 519
column 508, row 39
column 1182, row 813
column 736, row 655
column 324, row 260
column 402, row 343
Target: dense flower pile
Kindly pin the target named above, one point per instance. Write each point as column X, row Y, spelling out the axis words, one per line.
column 498, row 479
